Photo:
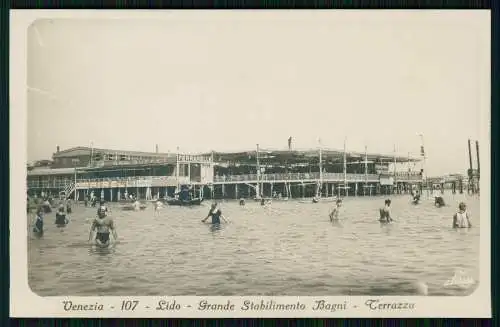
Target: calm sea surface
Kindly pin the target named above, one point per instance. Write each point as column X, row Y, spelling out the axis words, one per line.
column 289, row 248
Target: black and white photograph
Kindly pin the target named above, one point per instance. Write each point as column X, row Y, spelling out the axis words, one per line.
column 256, row 153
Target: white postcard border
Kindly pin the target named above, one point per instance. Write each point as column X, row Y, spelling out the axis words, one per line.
column 25, row 303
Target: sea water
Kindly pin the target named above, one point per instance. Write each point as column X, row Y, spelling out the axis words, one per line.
column 287, row 248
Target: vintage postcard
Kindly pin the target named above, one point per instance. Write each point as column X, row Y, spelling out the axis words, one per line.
column 250, row 163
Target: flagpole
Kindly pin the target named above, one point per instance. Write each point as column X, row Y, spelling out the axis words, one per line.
column 345, row 167
column 424, row 157
column 91, row 153
column 395, row 162
column 366, row 169
column 318, row 193
column 258, row 174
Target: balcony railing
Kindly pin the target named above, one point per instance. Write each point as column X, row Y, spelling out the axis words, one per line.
column 297, row 177
column 312, row 176
column 59, row 184
column 160, row 181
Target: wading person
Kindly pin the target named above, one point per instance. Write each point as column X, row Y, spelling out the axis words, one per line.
column 438, row 197
column 102, row 225
column 334, row 214
column 61, row 219
column 156, row 205
column 215, row 213
column 461, row 219
column 38, row 224
column 68, row 207
column 385, row 212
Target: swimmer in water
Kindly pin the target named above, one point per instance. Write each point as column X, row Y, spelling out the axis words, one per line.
column 461, row 219
column 334, row 214
column 416, row 197
column 102, row 206
column 102, row 225
column 216, row 214
column 38, row 225
column 61, row 219
column 438, row 198
column 385, row 212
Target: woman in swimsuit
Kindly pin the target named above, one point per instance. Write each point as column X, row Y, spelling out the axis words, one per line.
column 61, row 220
column 216, row 214
column 103, row 225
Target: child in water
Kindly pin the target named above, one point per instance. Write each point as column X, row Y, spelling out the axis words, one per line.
column 461, row 219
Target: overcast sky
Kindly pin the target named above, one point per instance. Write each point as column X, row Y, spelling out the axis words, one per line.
column 227, row 80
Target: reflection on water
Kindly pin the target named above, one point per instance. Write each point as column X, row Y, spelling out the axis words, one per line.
column 289, row 248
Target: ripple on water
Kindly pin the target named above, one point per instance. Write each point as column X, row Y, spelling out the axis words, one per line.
column 288, row 249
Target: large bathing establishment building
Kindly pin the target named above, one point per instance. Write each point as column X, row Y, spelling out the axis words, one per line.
column 288, row 173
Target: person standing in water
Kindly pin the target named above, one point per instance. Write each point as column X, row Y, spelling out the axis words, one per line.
column 157, row 205
column 334, row 214
column 38, row 225
column 415, row 196
column 461, row 219
column 68, row 207
column 215, row 213
column 61, row 219
column 438, row 197
column 102, row 225
column 102, row 205
column 385, row 212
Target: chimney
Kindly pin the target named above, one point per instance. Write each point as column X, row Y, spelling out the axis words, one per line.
column 57, row 149
column 157, row 148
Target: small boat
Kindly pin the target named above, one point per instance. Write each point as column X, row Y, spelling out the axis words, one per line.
column 179, row 202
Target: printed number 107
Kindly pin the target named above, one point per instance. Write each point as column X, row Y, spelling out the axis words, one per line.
column 129, row 305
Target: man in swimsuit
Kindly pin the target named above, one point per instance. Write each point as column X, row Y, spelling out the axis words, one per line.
column 102, row 225
column 38, row 225
column 61, row 220
column 215, row 213
column 334, row 215
column 385, row 212
column 461, row 218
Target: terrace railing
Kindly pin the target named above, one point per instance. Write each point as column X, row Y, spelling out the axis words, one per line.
column 311, row 176
column 297, row 177
column 50, row 184
column 162, row 181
